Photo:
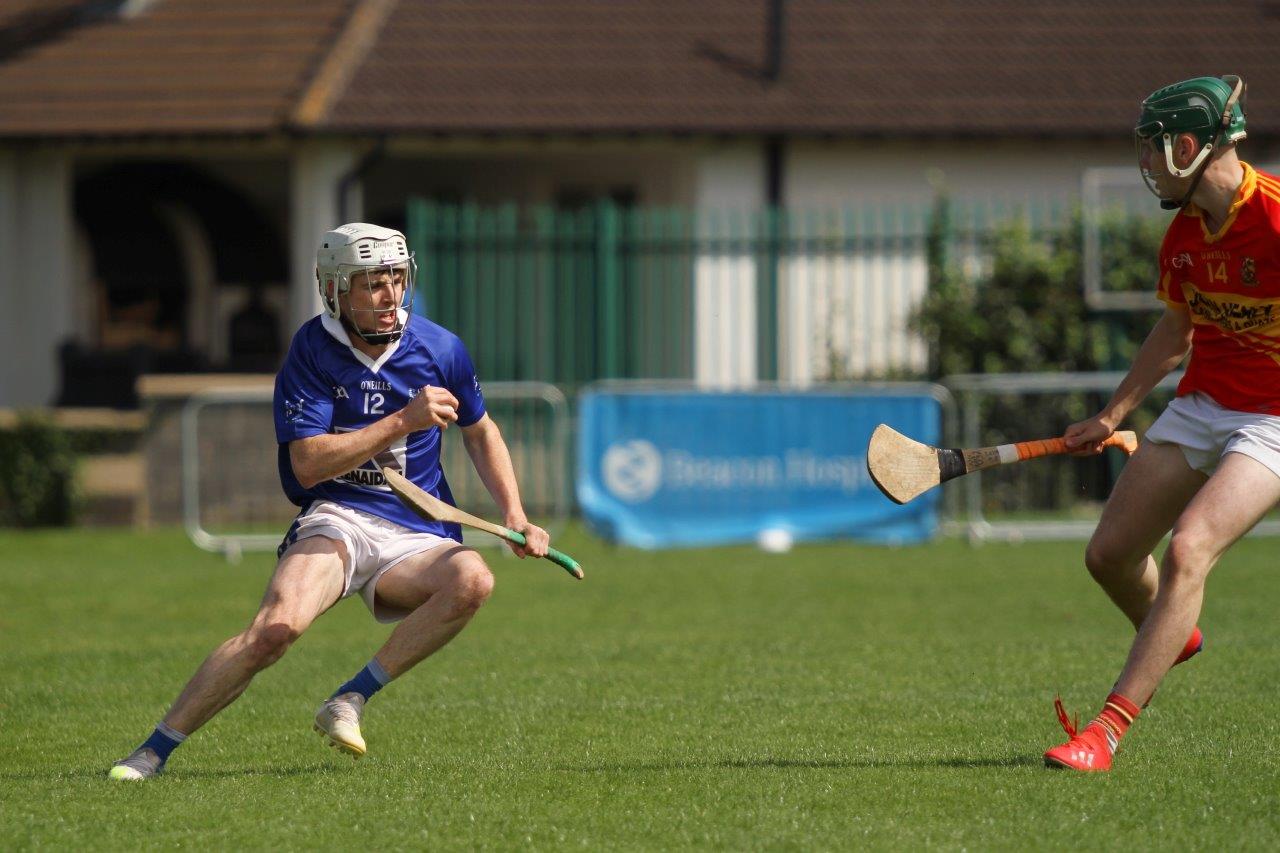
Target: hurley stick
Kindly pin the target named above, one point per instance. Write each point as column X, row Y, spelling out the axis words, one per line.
column 904, row 468
column 433, row 509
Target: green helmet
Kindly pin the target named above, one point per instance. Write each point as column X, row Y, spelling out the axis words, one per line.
column 1209, row 108
column 1195, row 106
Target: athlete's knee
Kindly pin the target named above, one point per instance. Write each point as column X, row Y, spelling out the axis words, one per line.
column 472, row 586
column 1107, row 562
column 267, row 643
column 1189, row 557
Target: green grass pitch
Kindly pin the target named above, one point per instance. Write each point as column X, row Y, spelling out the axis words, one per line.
column 839, row 696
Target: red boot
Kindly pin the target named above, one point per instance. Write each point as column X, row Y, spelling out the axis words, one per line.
column 1194, row 644
column 1089, row 750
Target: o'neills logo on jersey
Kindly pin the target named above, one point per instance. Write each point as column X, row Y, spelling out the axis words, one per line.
column 1215, row 255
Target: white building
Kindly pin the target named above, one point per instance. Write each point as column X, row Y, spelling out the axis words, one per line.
column 161, row 160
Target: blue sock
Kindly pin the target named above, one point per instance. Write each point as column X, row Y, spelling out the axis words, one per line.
column 367, row 681
column 164, row 740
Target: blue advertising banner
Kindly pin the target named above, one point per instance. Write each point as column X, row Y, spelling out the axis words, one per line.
column 661, row 468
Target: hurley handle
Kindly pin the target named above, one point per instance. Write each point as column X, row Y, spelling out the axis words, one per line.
column 560, row 558
column 1126, row 440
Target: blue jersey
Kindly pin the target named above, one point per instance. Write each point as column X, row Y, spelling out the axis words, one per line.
column 328, row 386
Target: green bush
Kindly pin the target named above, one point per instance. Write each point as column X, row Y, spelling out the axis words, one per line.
column 1028, row 314
column 37, row 474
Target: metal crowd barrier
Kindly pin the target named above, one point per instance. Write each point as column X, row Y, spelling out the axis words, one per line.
column 231, row 496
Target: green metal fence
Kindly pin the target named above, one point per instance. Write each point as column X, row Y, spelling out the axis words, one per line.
column 569, row 296
column 604, row 292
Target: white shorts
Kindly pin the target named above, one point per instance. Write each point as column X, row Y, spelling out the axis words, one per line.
column 373, row 546
column 1206, row 432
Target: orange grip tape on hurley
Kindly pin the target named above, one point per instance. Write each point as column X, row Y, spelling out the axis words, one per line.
column 1125, row 440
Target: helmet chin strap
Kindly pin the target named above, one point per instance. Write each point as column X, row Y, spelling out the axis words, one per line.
column 1170, row 204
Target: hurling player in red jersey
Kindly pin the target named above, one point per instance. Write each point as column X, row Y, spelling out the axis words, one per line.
column 1209, row 467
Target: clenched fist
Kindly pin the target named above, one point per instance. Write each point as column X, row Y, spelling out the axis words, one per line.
column 431, row 407
column 536, row 539
column 1085, row 438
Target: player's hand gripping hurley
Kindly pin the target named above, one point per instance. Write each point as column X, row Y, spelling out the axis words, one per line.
column 433, row 509
column 905, row 469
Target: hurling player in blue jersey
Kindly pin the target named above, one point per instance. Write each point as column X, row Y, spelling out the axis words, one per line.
column 366, row 385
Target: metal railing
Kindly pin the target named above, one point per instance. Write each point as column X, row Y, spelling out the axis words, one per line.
column 972, row 392
column 231, row 496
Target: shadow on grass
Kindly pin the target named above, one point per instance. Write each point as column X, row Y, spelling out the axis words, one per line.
column 961, row 763
column 181, row 775
column 264, row 772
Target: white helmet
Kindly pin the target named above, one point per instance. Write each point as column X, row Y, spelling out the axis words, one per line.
column 359, row 247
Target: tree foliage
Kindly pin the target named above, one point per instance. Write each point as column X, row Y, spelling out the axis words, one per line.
column 1026, row 312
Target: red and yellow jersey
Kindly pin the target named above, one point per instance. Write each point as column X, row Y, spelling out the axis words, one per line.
column 1230, row 282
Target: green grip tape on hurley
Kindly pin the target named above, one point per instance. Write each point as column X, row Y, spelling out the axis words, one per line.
column 560, row 558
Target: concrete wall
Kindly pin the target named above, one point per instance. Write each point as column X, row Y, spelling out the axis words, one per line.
column 727, row 179
column 37, row 239
column 532, row 173
column 316, row 172
column 12, row 341
column 835, row 174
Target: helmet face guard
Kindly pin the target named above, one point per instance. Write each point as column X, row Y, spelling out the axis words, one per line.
column 366, row 285
column 373, row 268
column 1209, row 108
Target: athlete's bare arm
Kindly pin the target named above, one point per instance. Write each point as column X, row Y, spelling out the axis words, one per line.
column 1163, row 350
column 322, row 457
column 489, row 454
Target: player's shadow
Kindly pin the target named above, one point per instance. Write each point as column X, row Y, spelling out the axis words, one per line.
column 1006, row 761
column 962, row 763
column 263, row 771
column 266, row 772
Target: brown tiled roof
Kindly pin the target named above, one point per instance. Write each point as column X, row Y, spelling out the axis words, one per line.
column 916, row 67
column 179, row 67
column 29, row 14
column 856, row 68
